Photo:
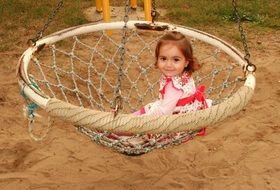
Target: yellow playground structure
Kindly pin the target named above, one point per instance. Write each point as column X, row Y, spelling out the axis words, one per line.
column 104, row 7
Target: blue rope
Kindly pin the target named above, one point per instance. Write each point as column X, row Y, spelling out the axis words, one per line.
column 31, row 107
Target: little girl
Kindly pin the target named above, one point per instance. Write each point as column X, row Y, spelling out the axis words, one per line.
column 177, row 92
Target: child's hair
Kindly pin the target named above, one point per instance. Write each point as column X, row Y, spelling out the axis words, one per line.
column 184, row 46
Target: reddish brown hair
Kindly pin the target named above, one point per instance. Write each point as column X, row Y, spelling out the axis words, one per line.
column 184, row 46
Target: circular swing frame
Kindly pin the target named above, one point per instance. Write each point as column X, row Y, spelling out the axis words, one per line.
column 106, row 121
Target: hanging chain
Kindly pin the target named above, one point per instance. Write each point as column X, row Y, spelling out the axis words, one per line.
column 154, row 12
column 39, row 34
column 249, row 67
column 118, row 97
column 152, row 26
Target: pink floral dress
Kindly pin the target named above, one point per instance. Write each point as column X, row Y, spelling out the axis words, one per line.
column 177, row 95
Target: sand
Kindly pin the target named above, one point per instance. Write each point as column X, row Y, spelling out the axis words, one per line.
column 241, row 152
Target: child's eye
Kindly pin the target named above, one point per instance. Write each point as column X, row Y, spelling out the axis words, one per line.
column 162, row 58
column 176, row 59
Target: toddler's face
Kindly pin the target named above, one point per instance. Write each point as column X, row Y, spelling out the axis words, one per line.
column 171, row 61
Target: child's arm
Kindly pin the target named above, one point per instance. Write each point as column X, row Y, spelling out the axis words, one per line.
column 168, row 104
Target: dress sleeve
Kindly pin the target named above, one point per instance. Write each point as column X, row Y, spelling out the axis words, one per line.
column 167, row 105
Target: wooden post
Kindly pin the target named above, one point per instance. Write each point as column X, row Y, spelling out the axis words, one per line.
column 133, row 4
column 106, row 10
column 148, row 10
column 106, row 13
column 98, row 5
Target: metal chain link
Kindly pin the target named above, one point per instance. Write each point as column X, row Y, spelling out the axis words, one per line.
column 118, row 97
column 243, row 38
column 46, row 25
column 154, row 12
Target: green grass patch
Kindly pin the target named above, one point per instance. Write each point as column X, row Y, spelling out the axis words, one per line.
column 219, row 12
column 73, row 16
column 30, row 16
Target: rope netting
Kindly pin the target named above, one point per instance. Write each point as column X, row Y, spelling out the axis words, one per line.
column 82, row 70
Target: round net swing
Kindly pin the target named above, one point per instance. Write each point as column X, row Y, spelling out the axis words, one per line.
column 80, row 73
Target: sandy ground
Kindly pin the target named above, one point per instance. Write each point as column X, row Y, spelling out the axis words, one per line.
column 242, row 152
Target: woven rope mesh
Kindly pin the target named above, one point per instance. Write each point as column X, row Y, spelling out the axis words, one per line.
column 83, row 70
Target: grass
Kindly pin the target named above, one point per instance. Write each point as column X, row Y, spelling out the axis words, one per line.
column 28, row 16
column 261, row 13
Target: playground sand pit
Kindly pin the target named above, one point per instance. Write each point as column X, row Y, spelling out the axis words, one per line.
column 241, row 152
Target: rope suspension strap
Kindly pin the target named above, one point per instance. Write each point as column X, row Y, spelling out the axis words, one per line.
column 40, row 33
column 249, row 67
